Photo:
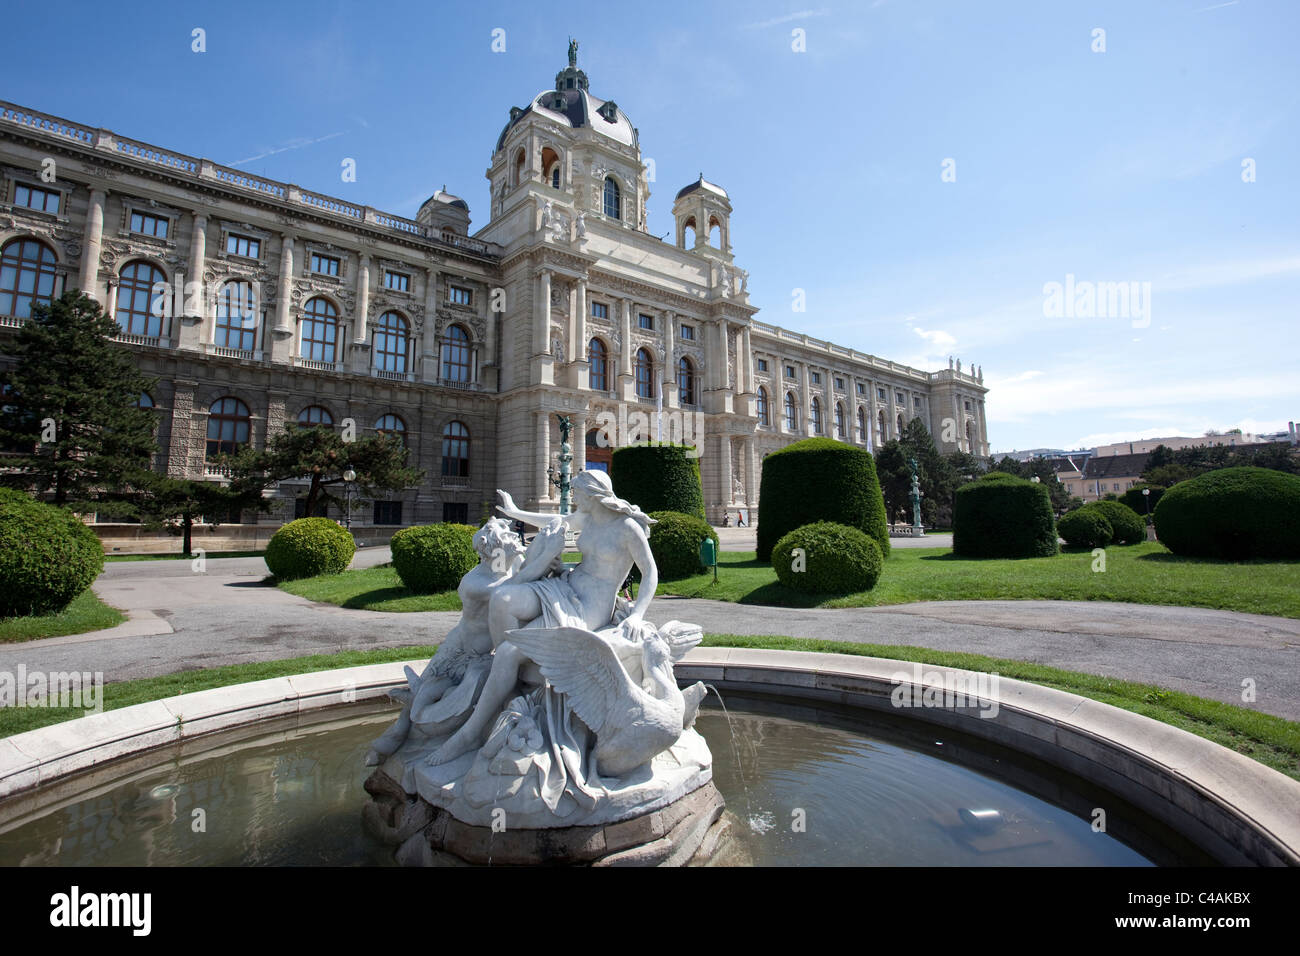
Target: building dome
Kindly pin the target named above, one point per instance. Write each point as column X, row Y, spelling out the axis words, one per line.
column 442, row 196
column 704, row 184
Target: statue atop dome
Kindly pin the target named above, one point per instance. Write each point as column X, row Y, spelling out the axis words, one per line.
column 573, row 52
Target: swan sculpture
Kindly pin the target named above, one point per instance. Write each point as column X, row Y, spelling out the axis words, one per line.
column 633, row 722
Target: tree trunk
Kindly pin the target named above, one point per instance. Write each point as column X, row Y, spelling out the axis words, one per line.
column 312, row 494
column 187, row 526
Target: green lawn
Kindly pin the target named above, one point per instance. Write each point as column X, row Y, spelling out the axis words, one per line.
column 370, row 589
column 1270, row 740
column 1144, row 573
column 86, row 613
column 177, row 556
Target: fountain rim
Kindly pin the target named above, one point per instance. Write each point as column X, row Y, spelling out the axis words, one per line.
column 1238, row 809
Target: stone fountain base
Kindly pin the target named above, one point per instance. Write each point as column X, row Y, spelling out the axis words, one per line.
column 686, row 831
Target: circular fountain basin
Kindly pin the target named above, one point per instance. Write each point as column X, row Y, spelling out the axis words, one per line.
column 816, row 765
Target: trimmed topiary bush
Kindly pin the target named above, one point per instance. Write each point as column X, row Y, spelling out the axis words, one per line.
column 1127, row 524
column 434, row 557
column 836, row 559
column 1134, row 499
column 47, row 556
column 1002, row 516
column 307, row 547
column 819, row 479
column 658, row 478
column 675, row 543
column 1233, row 514
column 1085, row 528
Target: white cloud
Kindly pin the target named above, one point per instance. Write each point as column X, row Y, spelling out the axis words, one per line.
column 937, row 338
column 787, row 18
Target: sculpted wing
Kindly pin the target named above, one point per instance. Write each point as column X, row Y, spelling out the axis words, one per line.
column 579, row 664
column 681, row 638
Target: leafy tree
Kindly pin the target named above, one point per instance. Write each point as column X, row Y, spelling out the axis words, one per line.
column 1167, row 475
column 71, row 407
column 936, row 475
column 177, row 504
column 1040, row 468
column 323, row 455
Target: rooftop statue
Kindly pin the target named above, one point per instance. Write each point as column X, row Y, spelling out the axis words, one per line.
column 553, row 699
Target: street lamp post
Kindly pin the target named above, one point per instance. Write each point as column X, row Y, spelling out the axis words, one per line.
column 561, row 479
column 1146, row 497
column 349, row 476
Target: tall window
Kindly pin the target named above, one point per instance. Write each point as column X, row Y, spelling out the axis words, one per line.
column 900, row 426
column 228, row 426
column 456, row 364
column 392, row 343
column 236, row 326
column 882, row 434
column 314, row 415
column 391, row 425
column 645, row 367
column 764, row 413
column 816, row 412
column 686, row 382
column 455, row 451
column 598, row 358
column 613, row 205
column 839, row 421
column 26, row 276
column 862, row 425
column 791, row 413
column 555, row 176
column 134, row 296
column 320, row 331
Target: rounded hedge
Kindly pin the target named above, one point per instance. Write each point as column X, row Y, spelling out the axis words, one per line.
column 1002, row 516
column 1143, row 505
column 658, row 478
column 434, row 557
column 1085, row 528
column 675, row 543
column 819, row 479
column 836, row 559
column 307, row 547
column 1128, row 525
column 1232, row 513
column 47, row 556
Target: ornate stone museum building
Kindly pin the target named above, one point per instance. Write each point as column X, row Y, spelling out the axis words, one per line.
column 254, row 303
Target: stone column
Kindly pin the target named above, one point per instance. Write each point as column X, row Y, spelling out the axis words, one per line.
column 360, row 351
column 543, row 460
column 428, row 344
column 806, row 381
column 578, row 343
column 91, row 246
column 745, row 373
column 626, row 384
column 724, row 473
column 579, row 444
column 196, row 326
column 670, row 365
column 187, row 447
column 543, row 363
column 282, row 345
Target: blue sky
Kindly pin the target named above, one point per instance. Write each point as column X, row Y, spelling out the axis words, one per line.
column 1122, row 166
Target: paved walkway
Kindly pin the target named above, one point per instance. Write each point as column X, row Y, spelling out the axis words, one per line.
column 181, row 620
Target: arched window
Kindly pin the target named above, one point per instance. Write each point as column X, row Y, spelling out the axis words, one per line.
column 688, row 233
column 390, row 424
column 27, row 276
column 392, row 343
column 764, row 414
column 645, row 367
column 882, row 434
column 900, row 425
column 228, row 426
column 686, row 381
column 144, row 401
column 134, row 297
column 862, row 425
column 455, row 451
column 313, row 416
column 613, row 204
column 839, row 421
column 555, row 176
column 791, row 413
column 320, row 331
column 551, row 166
column 598, row 358
column 236, row 326
column 519, row 166
column 816, row 412
column 970, row 435
column 456, row 360
column 599, row 451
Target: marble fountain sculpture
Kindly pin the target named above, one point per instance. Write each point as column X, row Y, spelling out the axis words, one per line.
column 549, row 727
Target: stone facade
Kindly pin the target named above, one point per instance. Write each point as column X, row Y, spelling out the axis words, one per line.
column 344, row 312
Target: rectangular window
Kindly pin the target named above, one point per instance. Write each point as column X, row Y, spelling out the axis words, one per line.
column 902, row 399
column 645, row 321
column 388, row 512
column 839, row 383
column 455, row 512
column 399, row 281
column 762, row 365
column 968, row 406
column 599, row 310
column 237, row 245
column 33, row 198
column 458, row 295
column 880, row 394
column 688, row 332
column 324, row 265
column 816, row 378
column 789, row 371
column 148, row 225
column 862, row 388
